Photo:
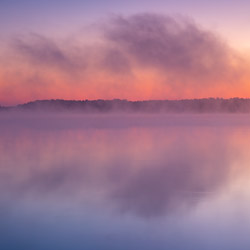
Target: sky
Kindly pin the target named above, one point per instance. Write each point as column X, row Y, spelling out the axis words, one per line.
column 133, row 50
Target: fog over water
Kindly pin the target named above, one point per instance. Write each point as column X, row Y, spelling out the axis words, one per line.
column 124, row 181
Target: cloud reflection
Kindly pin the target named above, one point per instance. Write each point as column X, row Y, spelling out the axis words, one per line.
column 143, row 171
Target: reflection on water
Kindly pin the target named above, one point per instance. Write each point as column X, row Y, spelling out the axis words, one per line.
column 172, row 182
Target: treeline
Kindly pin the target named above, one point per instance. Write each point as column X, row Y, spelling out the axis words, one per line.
column 208, row 105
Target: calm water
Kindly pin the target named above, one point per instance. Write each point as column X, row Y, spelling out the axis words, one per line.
column 124, row 182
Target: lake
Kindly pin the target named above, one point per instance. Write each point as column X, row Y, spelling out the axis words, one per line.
column 121, row 182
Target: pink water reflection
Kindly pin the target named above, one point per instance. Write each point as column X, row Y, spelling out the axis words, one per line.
column 76, row 169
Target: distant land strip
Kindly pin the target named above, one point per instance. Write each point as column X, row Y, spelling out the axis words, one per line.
column 206, row 105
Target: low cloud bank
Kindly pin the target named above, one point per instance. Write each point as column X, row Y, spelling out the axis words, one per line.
column 144, row 56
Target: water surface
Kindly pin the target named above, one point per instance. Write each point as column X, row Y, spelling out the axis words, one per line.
column 124, row 182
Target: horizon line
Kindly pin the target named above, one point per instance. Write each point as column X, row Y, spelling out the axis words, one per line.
column 118, row 99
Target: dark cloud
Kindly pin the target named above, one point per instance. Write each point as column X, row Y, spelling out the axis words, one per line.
column 175, row 46
column 44, row 51
column 115, row 61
